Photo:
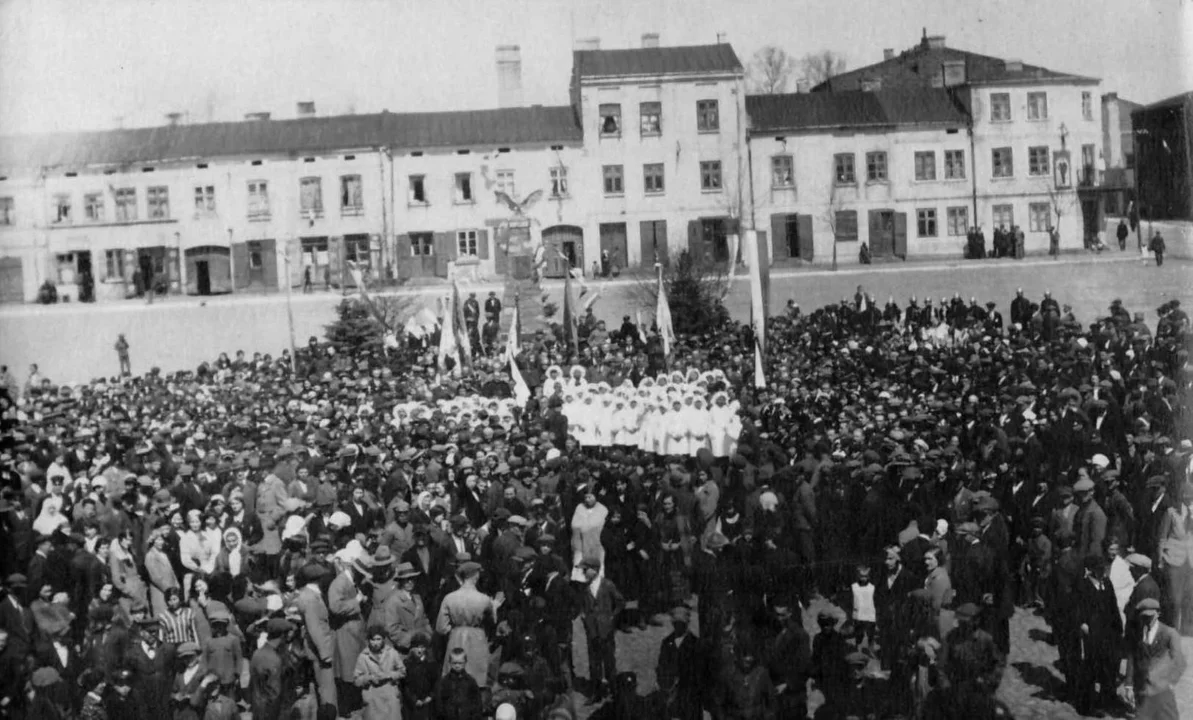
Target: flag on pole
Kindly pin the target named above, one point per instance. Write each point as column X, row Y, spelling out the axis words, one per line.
column 511, row 345
column 570, row 305
column 641, row 327
column 463, row 340
column 755, row 259
column 521, row 389
column 447, row 335
column 663, row 318
column 759, row 372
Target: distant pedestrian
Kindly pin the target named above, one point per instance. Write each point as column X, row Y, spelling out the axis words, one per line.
column 150, row 287
column 1121, row 234
column 1054, row 243
column 1157, row 246
column 306, row 279
column 1020, row 243
column 122, row 354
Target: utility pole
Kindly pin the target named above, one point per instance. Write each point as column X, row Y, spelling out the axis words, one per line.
column 290, row 315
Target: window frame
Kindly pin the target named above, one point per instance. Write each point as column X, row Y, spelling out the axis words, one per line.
column 462, row 193
column 614, row 174
column 922, row 166
column 655, row 117
column 873, row 167
column 1038, row 164
column 352, row 210
column 606, row 112
column 996, row 210
column 558, row 176
column 995, row 101
column 465, row 239
column 659, row 178
column 927, row 219
column 506, row 181
column 711, row 178
column 62, row 200
column 157, row 202
column 420, row 242
column 109, row 256
column 708, row 116
column 204, row 199
column 126, row 204
column 258, row 199
column 1032, row 209
column 775, row 161
column 419, row 181
column 93, row 207
column 8, row 212
column 66, row 261
column 954, row 213
column 1033, row 110
column 841, row 222
column 316, row 209
column 954, row 165
column 849, row 177
column 995, row 153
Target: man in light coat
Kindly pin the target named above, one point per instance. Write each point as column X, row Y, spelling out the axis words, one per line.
column 319, row 641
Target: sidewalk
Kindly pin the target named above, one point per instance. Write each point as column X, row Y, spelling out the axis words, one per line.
column 741, row 275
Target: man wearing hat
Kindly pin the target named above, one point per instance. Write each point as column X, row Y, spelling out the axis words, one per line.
column 318, row 637
column 680, row 670
column 601, row 603
column 1176, row 559
column 1149, row 514
column 1089, row 524
column 403, row 611
column 16, row 617
column 268, row 679
column 152, row 663
column 1157, row 662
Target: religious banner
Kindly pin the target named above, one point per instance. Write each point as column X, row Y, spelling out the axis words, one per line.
column 1062, row 170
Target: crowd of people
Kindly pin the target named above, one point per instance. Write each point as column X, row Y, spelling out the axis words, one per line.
column 369, row 535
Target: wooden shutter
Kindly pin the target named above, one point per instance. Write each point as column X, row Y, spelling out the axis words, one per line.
column 335, row 259
column 240, row 266
column 696, row 240
column 875, row 229
column 445, row 252
column 807, row 246
column 482, row 244
column 501, row 251
column 901, row 235
column 646, row 242
column 269, row 263
column 404, row 258
column 778, row 237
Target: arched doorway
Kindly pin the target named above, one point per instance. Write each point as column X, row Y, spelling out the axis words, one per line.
column 564, row 246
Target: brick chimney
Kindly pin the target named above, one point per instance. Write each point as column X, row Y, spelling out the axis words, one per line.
column 174, row 118
column 722, row 37
column 256, row 116
column 650, row 40
column 888, row 53
column 509, row 76
column 802, row 85
column 588, row 43
column 306, row 109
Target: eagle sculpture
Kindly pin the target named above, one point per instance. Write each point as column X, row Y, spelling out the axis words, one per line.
column 515, row 207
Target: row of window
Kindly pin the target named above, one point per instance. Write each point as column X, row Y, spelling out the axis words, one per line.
column 653, row 182
column 845, row 170
column 1037, row 106
column 650, row 118
column 956, row 221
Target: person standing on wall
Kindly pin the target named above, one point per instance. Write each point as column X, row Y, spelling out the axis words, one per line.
column 122, row 354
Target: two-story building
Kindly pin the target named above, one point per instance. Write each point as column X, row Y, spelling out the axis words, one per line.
column 1034, row 134
column 834, row 170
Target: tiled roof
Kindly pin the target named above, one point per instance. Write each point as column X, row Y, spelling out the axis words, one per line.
column 1176, row 101
column 921, row 66
column 718, row 58
column 854, row 108
column 507, row 126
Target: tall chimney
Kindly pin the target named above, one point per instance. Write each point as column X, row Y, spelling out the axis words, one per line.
column 256, row 116
column 936, row 42
column 888, row 53
column 306, row 108
column 650, row 40
column 801, row 85
column 722, row 37
column 509, row 76
column 588, row 43
column 173, row 118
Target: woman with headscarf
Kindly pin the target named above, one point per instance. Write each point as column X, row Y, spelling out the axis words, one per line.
column 587, row 523
column 50, row 518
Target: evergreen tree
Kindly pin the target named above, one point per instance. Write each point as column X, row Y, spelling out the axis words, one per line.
column 355, row 328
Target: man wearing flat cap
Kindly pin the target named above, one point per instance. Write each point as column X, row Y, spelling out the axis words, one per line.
column 680, row 670
column 152, row 663
column 269, row 683
column 1089, row 524
column 601, row 603
column 1176, row 560
column 1157, row 663
column 1149, row 514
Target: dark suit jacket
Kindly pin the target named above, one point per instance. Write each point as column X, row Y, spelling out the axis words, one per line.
column 47, row 656
column 600, row 612
column 22, row 630
column 1099, row 610
column 1147, row 526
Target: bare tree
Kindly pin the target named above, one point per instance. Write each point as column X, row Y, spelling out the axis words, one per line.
column 821, row 66
column 1062, row 201
column 771, row 70
column 835, row 205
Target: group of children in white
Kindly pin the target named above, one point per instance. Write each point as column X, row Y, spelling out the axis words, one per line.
column 672, row 414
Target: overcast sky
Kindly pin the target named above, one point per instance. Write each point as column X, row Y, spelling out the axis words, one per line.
column 73, row 64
